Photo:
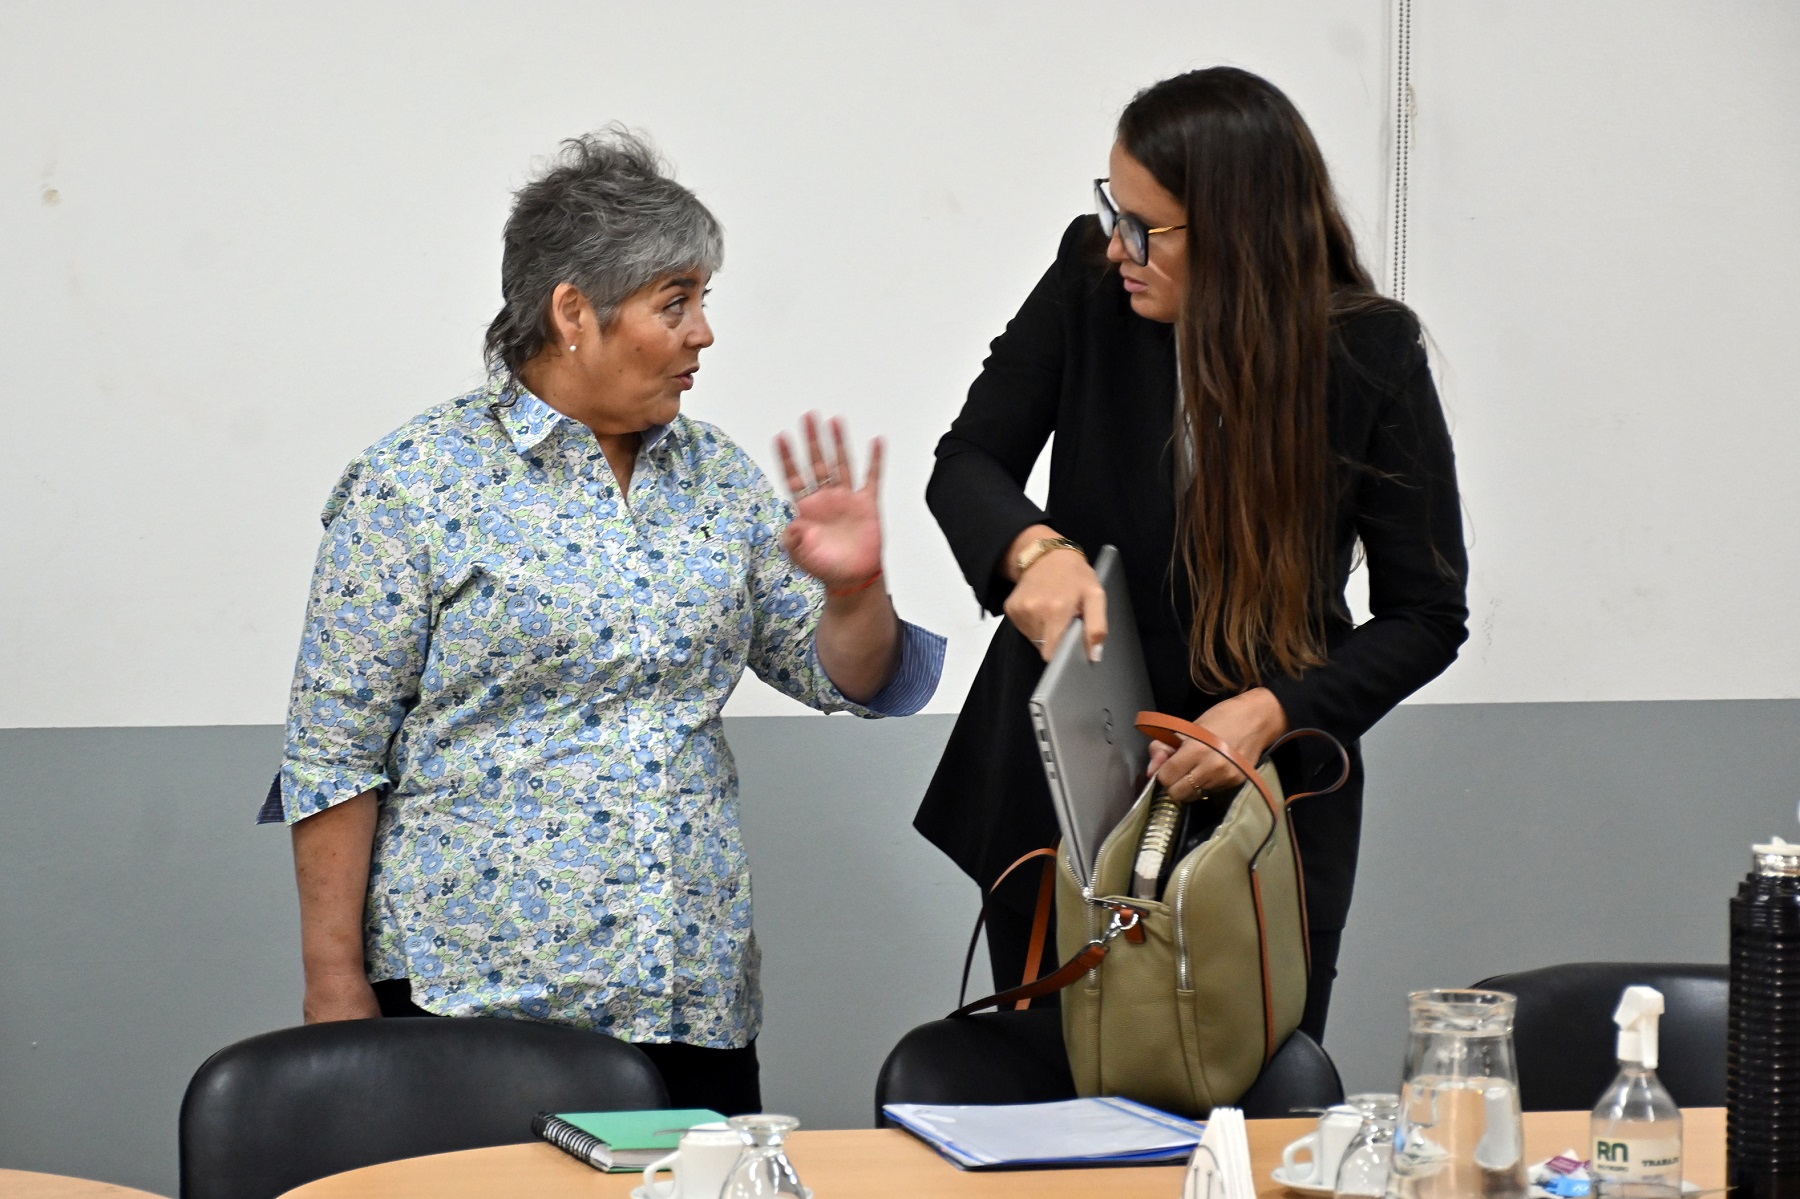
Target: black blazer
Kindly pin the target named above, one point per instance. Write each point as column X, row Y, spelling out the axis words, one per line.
column 1077, row 362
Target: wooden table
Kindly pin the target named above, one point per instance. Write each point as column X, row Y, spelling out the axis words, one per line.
column 868, row 1162
column 22, row 1184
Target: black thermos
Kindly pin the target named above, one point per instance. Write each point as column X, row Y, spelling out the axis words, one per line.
column 1762, row 1056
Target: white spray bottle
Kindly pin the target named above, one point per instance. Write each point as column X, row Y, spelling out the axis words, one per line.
column 1636, row 1126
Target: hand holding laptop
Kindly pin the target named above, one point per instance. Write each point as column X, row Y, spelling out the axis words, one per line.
column 1053, row 586
column 1084, row 711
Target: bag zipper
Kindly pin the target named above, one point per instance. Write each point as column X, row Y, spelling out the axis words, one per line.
column 1182, row 979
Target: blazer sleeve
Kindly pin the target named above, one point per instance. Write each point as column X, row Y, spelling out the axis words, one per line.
column 977, row 489
column 1409, row 518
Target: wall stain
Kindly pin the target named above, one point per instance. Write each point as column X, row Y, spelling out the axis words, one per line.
column 52, row 197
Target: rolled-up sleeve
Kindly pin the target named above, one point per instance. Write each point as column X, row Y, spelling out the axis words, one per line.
column 362, row 650
column 915, row 680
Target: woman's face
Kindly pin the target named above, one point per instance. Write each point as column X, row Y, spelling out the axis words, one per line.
column 636, row 368
column 1156, row 288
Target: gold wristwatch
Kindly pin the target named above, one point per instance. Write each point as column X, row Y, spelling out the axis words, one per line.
column 1040, row 547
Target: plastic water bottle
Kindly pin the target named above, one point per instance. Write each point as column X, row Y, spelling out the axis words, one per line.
column 1636, row 1126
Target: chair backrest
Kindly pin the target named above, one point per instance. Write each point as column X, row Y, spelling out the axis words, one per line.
column 1300, row 1075
column 272, row 1112
column 1565, row 1038
column 1018, row 1057
column 996, row 1057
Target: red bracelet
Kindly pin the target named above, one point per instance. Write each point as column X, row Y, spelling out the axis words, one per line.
column 862, row 586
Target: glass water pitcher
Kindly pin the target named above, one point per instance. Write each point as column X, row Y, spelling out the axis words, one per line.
column 1459, row 1135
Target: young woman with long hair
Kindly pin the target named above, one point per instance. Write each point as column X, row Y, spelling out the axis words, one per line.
column 1239, row 411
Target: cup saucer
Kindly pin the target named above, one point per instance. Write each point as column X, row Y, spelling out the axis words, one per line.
column 1280, row 1176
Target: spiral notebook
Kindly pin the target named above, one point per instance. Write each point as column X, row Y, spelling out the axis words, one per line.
column 620, row 1141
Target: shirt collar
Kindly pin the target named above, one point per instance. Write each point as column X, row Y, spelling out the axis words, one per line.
column 528, row 420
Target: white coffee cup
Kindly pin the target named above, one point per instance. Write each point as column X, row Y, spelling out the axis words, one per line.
column 698, row 1166
column 1324, row 1148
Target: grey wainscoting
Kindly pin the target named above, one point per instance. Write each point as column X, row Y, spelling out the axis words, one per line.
column 144, row 921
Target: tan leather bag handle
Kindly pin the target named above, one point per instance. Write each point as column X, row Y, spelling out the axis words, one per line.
column 1040, row 928
column 1171, row 729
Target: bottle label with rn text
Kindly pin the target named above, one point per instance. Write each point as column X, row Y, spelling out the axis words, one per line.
column 1625, row 1158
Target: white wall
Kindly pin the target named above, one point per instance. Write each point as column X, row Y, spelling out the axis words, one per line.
column 1604, row 242
column 242, row 242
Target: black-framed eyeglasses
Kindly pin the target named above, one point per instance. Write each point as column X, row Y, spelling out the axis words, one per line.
column 1133, row 232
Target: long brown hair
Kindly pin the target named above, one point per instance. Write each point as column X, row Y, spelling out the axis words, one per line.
column 1270, row 263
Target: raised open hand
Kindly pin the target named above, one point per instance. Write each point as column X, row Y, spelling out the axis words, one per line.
column 836, row 533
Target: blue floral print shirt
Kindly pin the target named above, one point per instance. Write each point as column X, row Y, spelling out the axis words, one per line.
column 531, row 671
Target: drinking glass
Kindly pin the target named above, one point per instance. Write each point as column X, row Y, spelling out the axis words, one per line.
column 1368, row 1158
column 763, row 1169
column 1380, row 1105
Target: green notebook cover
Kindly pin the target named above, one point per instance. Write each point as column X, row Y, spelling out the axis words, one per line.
column 625, row 1131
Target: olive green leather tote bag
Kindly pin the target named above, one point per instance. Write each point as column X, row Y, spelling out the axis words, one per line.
column 1179, row 1002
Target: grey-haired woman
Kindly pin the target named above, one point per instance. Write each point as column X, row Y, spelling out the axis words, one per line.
column 505, row 770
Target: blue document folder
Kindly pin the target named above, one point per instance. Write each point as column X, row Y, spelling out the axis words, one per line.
column 1072, row 1132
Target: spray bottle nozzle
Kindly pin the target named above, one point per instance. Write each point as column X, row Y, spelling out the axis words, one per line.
column 1639, row 1010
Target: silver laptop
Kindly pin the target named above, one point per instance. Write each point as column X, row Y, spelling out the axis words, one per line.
column 1085, row 717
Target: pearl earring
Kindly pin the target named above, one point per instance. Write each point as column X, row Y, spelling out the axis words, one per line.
column 571, row 349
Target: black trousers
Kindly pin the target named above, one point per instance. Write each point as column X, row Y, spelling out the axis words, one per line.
column 1009, row 939
column 728, row 1081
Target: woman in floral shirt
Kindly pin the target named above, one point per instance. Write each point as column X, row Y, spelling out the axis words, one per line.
column 506, row 773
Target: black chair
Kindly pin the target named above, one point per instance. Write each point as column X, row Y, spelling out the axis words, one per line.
column 1018, row 1057
column 1301, row 1075
column 272, row 1112
column 1566, row 1041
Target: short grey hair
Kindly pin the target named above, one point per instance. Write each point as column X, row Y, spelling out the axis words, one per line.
column 606, row 217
